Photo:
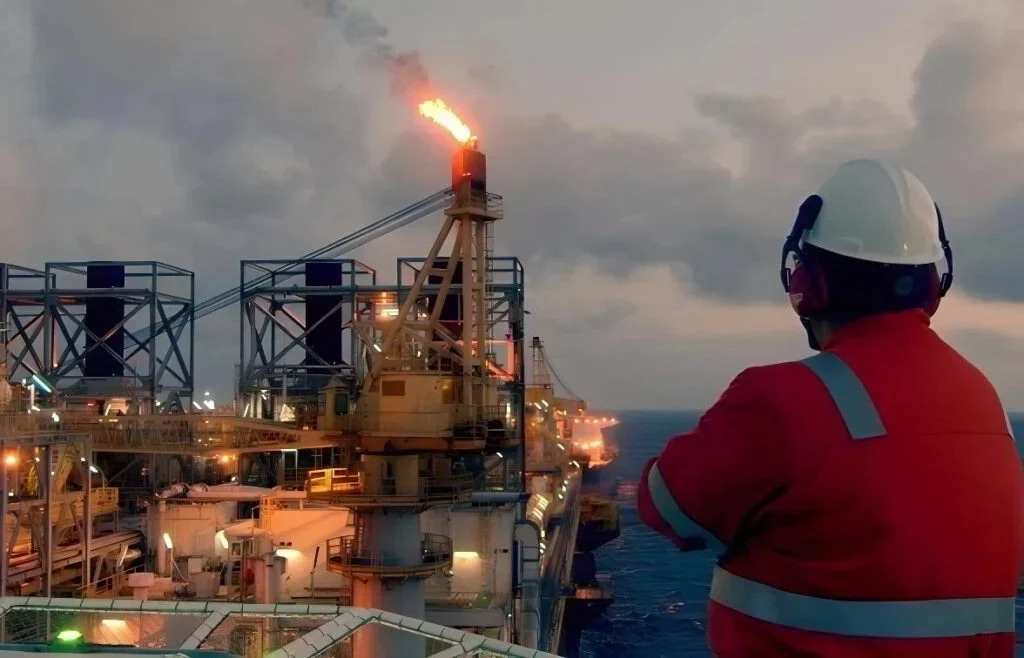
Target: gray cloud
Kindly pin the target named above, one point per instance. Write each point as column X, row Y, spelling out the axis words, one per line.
column 194, row 131
column 202, row 132
column 968, row 145
column 191, row 132
column 627, row 199
column 359, row 28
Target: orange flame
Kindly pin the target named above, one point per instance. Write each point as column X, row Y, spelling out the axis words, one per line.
column 441, row 114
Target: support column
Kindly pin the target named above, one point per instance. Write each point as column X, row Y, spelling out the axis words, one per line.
column 396, row 538
column 389, row 537
column 161, row 547
column 280, row 466
column 47, row 511
column 243, row 466
column 5, row 556
column 87, row 521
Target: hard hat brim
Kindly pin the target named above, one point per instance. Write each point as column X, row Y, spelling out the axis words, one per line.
column 934, row 257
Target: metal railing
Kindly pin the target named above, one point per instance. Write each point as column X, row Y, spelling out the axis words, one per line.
column 347, row 556
column 490, row 202
column 344, row 485
column 293, row 475
column 481, row 600
column 111, row 583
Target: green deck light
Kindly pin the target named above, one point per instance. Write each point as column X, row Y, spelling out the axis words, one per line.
column 69, row 635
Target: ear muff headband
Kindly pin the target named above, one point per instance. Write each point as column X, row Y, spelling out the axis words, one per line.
column 805, row 219
column 946, row 282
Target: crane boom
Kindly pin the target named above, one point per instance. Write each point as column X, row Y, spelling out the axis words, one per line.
column 368, row 233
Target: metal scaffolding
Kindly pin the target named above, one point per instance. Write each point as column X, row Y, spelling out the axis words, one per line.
column 22, row 320
column 333, row 625
column 295, row 331
column 60, row 322
column 50, row 503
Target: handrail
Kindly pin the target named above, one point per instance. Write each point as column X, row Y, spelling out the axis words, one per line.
column 349, row 484
column 480, row 600
column 107, row 583
column 435, row 552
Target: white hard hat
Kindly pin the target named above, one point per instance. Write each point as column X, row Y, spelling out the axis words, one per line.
column 877, row 211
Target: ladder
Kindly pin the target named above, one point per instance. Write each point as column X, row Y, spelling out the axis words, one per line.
column 360, row 532
column 486, row 554
column 5, row 328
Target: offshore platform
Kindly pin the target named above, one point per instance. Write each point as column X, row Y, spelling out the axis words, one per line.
column 386, row 481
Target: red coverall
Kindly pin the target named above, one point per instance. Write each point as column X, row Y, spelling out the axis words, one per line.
column 868, row 501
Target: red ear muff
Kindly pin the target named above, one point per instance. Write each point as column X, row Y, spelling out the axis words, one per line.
column 808, row 292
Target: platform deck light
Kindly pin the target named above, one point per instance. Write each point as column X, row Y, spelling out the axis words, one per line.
column 69, row 635
column 41, row 384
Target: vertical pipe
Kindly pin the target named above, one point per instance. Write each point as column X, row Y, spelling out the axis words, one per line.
column 154, row 299
column 4, row 540
column 191, row 379
column 158, row 537
column 480, row 290
column 48, row 331
column 47, row 511
column 243, row 317
column 519, row 345
column 273, row 350
column 478, row 284
column 284, row 394
column 467, row 308
column 87, row 522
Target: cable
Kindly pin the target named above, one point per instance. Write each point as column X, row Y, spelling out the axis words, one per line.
column 554, row 373
column 368, row 233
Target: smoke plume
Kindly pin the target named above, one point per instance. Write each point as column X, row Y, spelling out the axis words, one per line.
column 361, row 30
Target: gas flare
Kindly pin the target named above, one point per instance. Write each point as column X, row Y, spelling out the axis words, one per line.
column 443, row 115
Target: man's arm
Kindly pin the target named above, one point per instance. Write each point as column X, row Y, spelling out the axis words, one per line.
column 704, row 484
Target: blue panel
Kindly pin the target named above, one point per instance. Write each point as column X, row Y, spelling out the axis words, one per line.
column 451, row 317
column 102, row 314
column 324, row 340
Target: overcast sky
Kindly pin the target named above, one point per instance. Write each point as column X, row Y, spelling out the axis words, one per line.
column 651, row 154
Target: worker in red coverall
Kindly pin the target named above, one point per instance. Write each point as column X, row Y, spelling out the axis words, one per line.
column 868, row 500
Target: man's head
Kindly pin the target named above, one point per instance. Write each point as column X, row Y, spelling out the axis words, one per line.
column 868, row 242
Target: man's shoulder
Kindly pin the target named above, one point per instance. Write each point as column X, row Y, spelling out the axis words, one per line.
column 772, row 382
column 772, row 374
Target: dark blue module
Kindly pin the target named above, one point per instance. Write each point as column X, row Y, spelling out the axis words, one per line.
column 102, row 315
column 324, row 340
column 3, row 298
column 450, row 316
